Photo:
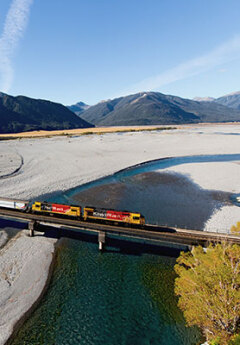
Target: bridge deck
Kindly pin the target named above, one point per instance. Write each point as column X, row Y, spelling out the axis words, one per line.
column 150, row 232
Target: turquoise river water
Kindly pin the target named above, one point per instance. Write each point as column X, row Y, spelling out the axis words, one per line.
column 111, row 299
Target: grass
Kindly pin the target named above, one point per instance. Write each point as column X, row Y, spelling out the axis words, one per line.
column 85, row 131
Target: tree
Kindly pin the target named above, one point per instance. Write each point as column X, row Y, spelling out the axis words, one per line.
column 235, row 229
column 208, row 284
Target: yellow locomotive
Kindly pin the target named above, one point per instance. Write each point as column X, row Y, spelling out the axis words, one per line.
column 88, row 213
column 113, row 216
column 51, row 208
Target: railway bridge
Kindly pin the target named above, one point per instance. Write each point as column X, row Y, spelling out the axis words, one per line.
column 150, row 233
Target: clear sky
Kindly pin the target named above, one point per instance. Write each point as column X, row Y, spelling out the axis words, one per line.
column 90, row 50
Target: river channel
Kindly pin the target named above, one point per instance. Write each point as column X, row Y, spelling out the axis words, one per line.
column 125, row 295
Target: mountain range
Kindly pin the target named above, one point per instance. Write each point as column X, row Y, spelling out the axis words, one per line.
column 22, row 113
column 231, row 100
column 18, row 114
column 152, row 108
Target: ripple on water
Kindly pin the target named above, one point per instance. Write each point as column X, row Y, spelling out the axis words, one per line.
column 108, row 299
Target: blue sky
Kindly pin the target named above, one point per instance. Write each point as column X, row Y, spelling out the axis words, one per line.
column 90, row 50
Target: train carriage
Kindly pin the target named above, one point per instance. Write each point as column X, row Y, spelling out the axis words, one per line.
column 91, row 213
column 15, row 204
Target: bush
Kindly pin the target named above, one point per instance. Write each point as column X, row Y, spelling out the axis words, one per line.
column 235, row 340
column 209, row 290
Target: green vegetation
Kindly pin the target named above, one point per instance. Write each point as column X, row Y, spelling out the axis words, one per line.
column 208, row 284
column 235, row 229
column 234, row 341
column 130, row 130
column 146, row 129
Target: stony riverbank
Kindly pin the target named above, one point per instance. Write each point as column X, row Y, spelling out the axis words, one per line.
column 25, row 266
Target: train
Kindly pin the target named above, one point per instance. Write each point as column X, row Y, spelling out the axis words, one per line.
column 87, row 213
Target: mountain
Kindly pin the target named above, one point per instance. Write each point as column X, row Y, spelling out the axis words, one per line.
column 153, row 108
column 231, row 100
column 204, row 99
column 78, row 108
column 18, row 114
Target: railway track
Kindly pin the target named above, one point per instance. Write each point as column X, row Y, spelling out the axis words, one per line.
column 149, row 232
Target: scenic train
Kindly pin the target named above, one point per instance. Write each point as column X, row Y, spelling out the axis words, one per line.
column 74, row 212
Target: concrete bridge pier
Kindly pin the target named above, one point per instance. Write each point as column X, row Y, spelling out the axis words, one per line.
column 101, row 240
column 31, row 227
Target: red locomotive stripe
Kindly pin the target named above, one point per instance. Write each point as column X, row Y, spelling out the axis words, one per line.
column 115, row 215
column 60, row 208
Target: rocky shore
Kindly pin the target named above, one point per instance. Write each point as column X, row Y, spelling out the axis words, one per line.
column 25, row 266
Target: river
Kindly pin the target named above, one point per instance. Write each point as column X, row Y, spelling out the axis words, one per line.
column 125, row 295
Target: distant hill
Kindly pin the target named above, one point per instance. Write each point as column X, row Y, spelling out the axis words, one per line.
column 78, row 108
column 20, row 114
column 232, row 100
column 152, row 108
column 204, row 99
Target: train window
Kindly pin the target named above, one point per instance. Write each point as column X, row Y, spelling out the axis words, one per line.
column 46, row 207
column 136, row 218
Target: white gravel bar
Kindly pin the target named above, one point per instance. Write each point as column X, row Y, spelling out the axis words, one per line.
column 24, row 271
column 31, row 167
column 60, row 163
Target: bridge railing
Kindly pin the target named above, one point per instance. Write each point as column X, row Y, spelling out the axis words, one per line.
column 218, row 230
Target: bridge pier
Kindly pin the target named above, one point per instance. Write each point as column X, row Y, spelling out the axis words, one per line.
column 31, row 227
column 101, row 240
